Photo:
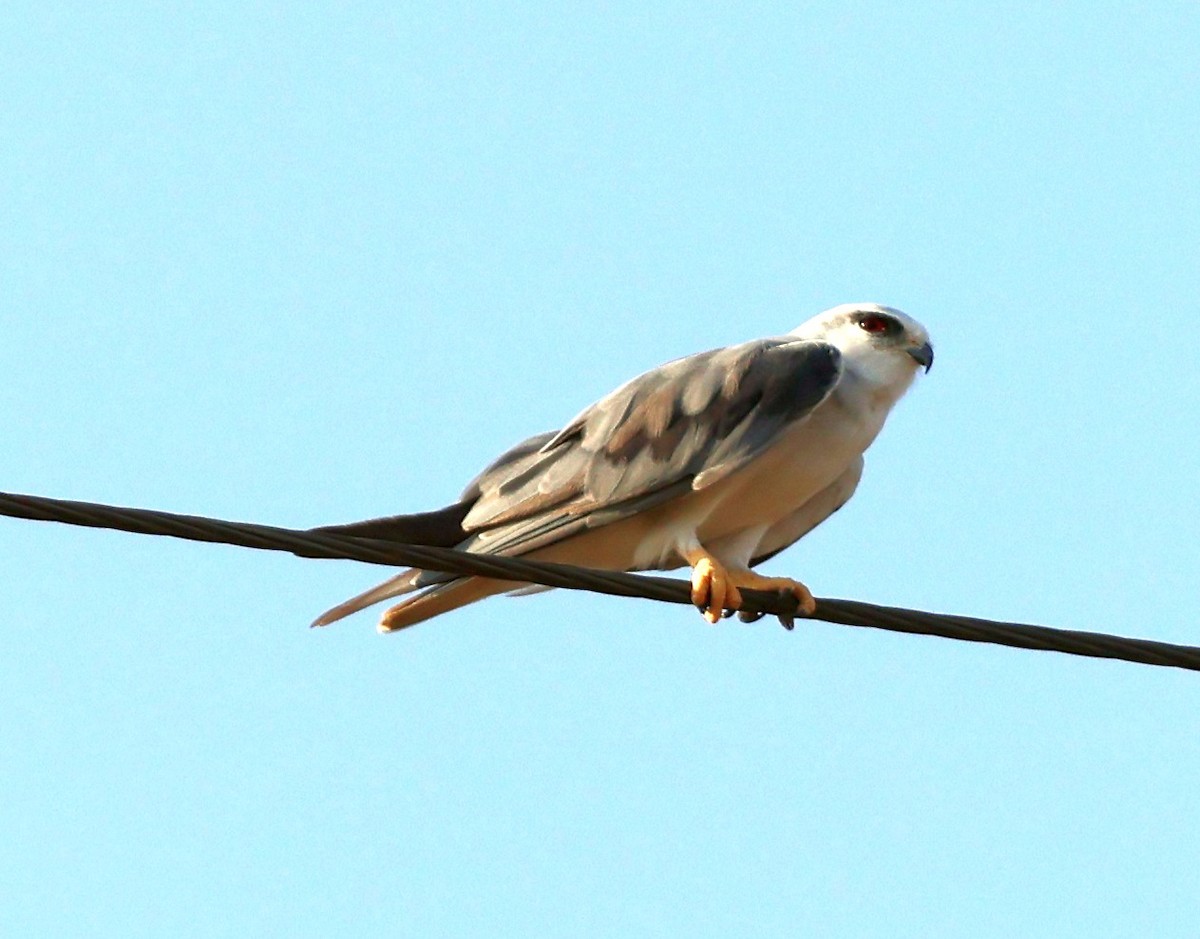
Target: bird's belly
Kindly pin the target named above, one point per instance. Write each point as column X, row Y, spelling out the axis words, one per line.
column 780, row 481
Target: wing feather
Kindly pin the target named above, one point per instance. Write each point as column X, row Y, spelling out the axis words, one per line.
column 682, row 426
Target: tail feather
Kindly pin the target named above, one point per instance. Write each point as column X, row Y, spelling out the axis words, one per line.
column 440, row 599
column 402, row 583
column 440, row 528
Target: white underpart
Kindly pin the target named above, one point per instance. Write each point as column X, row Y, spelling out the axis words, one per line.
column 738, row 549
column 813, row 512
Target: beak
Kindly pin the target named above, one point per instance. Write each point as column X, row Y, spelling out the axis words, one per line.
column 922, row 355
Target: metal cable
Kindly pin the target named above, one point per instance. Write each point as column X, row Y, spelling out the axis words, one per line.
column 315, row 544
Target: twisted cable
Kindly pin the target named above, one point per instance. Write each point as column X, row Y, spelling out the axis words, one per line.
column 756, row 603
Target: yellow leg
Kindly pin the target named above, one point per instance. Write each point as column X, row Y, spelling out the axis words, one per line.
column 713, row 590
column 715, row 587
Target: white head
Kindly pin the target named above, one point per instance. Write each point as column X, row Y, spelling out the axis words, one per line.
column 879, row 344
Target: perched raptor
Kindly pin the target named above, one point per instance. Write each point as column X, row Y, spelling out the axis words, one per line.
column 718, row 461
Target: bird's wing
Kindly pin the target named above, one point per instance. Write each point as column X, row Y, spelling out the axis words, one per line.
column 680, row 427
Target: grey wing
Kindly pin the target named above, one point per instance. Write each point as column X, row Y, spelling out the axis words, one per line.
column 679, row 427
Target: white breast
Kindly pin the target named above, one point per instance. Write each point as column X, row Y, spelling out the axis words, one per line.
column 805, row 461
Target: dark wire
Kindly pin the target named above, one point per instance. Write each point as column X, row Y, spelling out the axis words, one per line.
column 317, row 544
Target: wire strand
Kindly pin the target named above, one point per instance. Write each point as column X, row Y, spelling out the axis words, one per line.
column 756, row 603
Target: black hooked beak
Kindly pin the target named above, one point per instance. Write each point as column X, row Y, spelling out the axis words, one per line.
column 923, row 355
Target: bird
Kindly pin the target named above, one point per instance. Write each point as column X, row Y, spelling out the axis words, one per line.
column 716, row 461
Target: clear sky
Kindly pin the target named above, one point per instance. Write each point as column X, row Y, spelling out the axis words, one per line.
column 309, row 263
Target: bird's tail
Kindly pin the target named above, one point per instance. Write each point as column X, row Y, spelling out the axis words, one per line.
column 435, row 599
column 399, row 585
column 441, row 528
column 439, row 599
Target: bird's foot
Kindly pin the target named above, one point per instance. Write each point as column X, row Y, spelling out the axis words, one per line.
column 804, row 598
column 717, row 589
column 713, row 589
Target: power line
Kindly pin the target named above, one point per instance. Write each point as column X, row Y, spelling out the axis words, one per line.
column 318, row 544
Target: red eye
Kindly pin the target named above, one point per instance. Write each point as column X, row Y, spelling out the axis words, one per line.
column 874, row 323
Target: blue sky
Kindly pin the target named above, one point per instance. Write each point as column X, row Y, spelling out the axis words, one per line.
column 302, row 264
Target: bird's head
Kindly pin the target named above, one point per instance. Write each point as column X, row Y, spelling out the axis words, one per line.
column 879, row 344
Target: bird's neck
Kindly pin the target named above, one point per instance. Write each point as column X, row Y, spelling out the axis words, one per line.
column 869, row 394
